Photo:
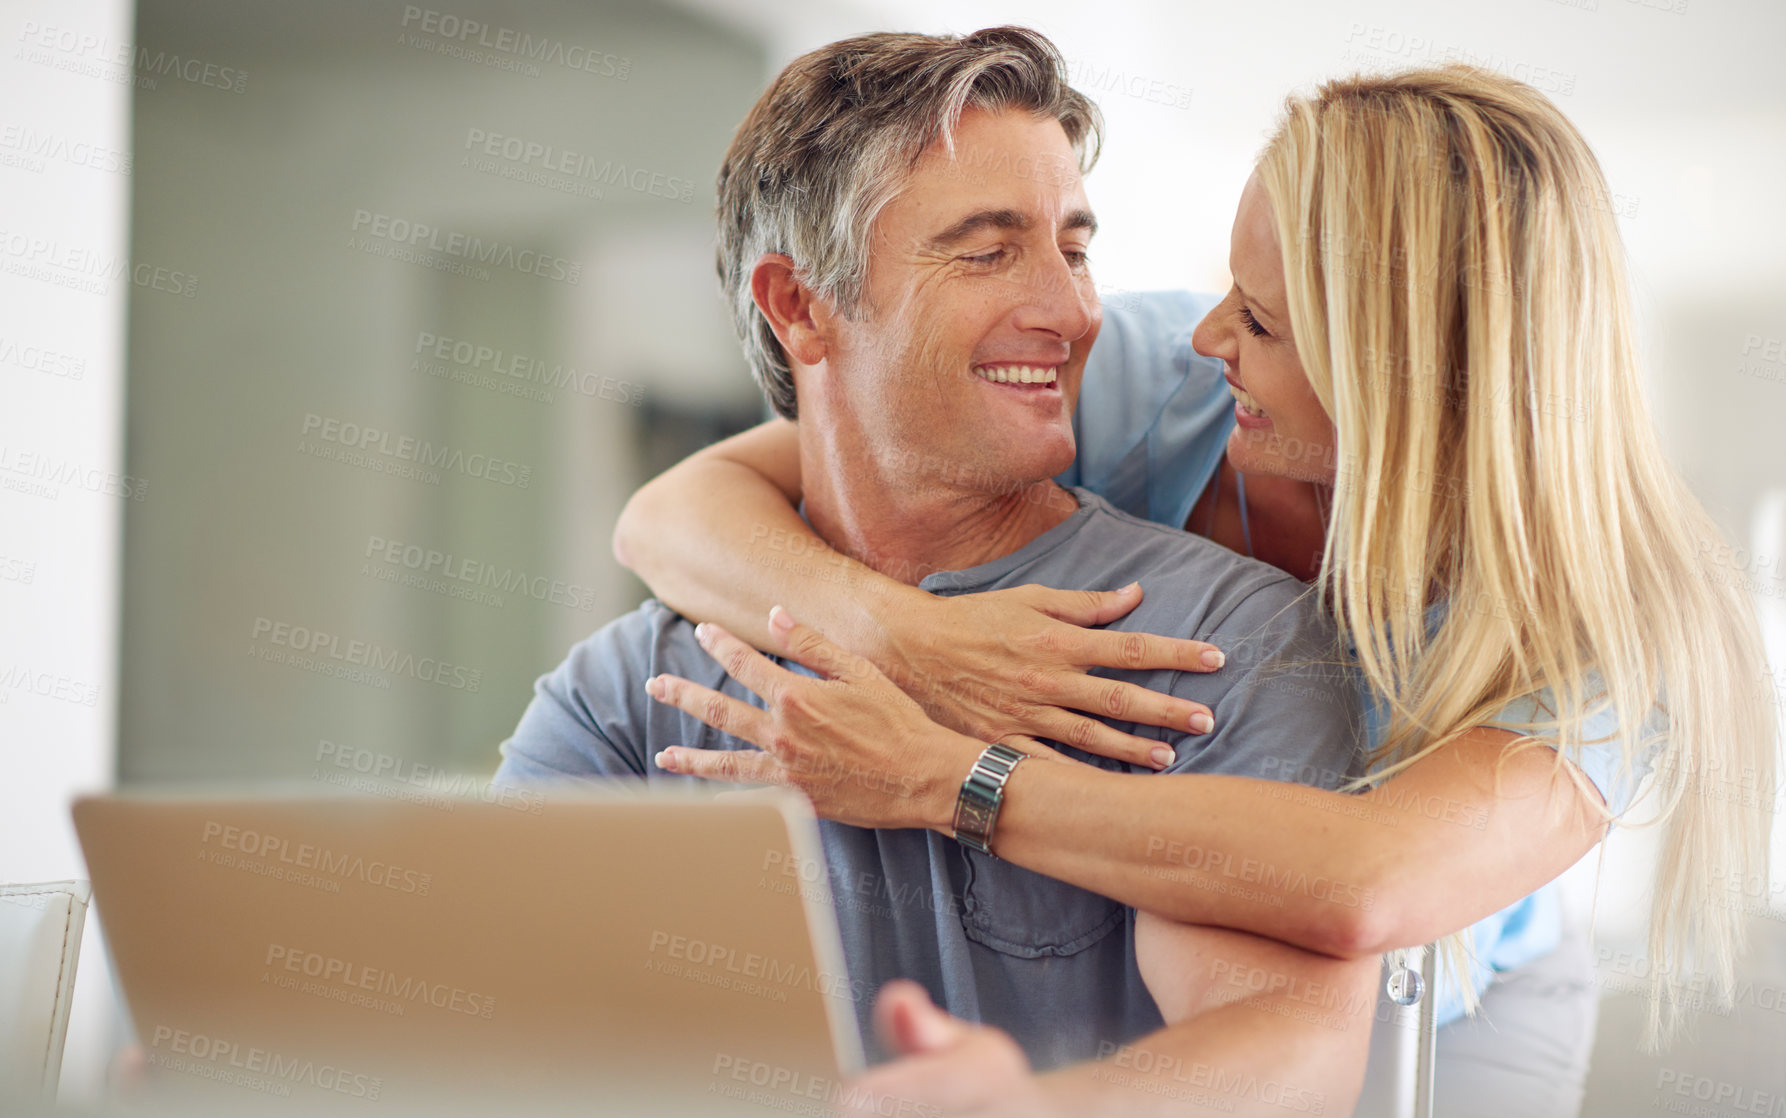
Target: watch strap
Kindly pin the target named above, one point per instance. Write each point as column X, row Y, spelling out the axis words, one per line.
column 982, row 794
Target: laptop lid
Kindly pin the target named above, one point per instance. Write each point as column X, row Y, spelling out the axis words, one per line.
column 634, row 947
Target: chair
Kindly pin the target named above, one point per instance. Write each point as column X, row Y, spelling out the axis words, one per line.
column 1398, row 1079
column 40, row 943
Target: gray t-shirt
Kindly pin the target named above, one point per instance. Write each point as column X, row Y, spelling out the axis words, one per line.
column 1052, row 964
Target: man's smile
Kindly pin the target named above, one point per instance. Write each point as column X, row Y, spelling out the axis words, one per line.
column 1023, row 376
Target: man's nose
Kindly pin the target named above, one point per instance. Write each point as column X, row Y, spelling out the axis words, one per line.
column 1057, row 299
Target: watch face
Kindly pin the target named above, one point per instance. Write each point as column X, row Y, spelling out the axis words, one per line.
column 975, row 818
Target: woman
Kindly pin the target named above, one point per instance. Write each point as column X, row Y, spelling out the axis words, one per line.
column 1438, row 413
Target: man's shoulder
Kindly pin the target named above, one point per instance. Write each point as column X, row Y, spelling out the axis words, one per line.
column 646, row 641
column 652, row 620
column 1193, row 587
column 590, row 714
column 1171, row 555
column 1282, row 700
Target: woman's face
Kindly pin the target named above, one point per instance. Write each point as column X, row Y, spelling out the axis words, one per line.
column 1283, row 430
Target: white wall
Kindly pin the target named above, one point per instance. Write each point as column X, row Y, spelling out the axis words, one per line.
column 64, row 204
column 257, row 192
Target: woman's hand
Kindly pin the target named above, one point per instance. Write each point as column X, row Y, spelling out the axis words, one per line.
column 946, row 1066
column 1014, row 662
column 862, row 750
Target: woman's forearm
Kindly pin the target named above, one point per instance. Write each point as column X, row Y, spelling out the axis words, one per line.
column 1428, row 853
column 718, row 538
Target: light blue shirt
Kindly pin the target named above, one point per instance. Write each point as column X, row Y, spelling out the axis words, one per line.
column 1153, row 415
column 1152, row 424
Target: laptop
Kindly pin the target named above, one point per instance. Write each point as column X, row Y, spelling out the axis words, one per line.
column 625, row 952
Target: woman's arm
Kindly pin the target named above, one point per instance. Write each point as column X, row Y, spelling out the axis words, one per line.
column 1446, row 842
column 718, row 539
column 1430, row 851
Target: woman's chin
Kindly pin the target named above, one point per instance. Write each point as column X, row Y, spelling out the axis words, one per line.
column 1251, row 453
column 1264, row 454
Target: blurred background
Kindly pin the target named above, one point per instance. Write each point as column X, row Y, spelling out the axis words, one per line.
column 334, row 335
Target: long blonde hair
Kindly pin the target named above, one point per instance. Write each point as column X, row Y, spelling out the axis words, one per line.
column 1456, row 285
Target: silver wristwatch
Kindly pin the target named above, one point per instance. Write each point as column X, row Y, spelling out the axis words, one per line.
column 976, row 808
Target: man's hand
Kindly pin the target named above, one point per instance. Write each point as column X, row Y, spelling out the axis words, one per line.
column 946, row 1066
column 862, row 750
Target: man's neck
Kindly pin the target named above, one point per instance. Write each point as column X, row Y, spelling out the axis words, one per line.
column 906, row 525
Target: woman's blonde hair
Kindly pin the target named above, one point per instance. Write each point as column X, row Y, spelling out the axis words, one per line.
column 1456, row 286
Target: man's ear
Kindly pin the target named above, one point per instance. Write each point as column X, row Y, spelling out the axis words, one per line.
column 800, row 319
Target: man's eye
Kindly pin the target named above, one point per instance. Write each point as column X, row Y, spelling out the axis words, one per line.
column 1077, row 257
column 985, row 259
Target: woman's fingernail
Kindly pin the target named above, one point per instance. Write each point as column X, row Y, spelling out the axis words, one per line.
column 653, row 687
column 1202, row 723
column 1162, row 756
column 703, row 631
column 1214, row 658
column 1129, row 587
column 664, row 759
column 779, row 619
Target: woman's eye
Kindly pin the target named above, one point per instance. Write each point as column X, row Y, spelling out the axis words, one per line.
column 1251, row 323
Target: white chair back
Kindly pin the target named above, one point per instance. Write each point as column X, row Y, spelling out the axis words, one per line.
column 1398, row 1079
column 40, row 943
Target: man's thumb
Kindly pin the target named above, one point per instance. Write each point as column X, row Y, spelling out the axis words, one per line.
column 911, row 1024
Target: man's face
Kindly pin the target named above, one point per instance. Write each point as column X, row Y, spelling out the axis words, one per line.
column 978, row 312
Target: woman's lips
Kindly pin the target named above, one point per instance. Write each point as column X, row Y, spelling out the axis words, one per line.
column 1246, row 410
column 1248, row 419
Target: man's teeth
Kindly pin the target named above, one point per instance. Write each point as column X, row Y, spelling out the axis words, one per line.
column 1246, row 401
column 1017, row 374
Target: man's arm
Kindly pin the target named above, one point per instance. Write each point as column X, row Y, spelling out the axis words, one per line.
column 1253, row 1027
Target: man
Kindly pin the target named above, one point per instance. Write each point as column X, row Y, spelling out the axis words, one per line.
column 904, row 233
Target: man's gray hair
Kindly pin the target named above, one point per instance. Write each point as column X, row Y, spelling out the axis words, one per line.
column 832, row 141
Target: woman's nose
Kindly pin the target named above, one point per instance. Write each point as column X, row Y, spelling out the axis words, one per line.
column 1212, row 337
